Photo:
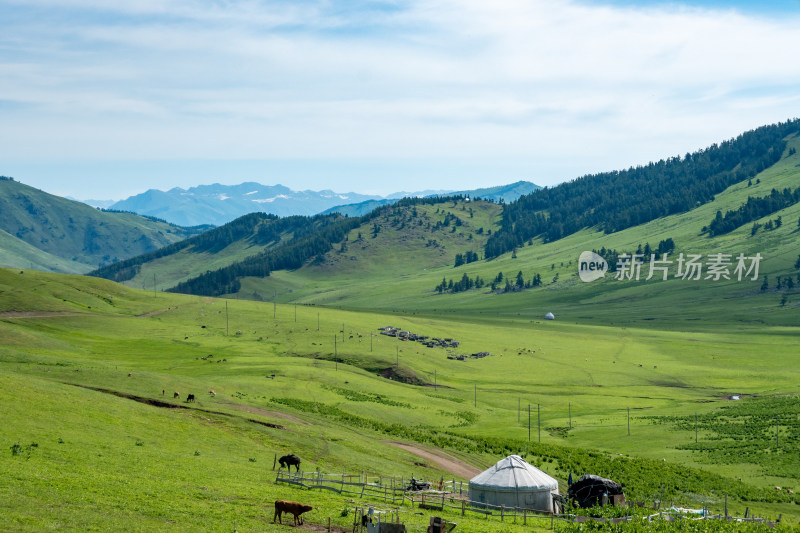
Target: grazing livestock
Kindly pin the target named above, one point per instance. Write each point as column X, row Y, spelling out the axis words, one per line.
column 176, row 395
column 190, row 398
column 163, row 392
column 295, row 508
column 290, row 460
column 212, row 393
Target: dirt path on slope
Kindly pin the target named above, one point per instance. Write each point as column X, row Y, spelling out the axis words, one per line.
column 38, row 314
column 441, row 459
column 265, row 412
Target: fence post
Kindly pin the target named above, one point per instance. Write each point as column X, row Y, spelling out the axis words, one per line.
column 463, row 507
column 502, row 512
column 524, row 517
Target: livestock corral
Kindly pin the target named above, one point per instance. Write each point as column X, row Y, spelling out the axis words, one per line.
column 450, row 497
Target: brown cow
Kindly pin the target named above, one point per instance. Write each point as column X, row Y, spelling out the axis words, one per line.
column 295, row 508
column 175, row 395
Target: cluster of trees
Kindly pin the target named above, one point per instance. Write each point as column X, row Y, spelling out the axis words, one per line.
column 464, row 284
column 6, row 178
column 449, row 218
column 611, row 256
column 511, row 285
column 518, row 284
column 466, row 258
column 768, row 225
column 754, row 209
column 613, row 201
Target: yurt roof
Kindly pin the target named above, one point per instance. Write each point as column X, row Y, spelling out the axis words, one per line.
column 513, row 473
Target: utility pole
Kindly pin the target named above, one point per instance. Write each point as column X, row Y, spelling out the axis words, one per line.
column 154, row 285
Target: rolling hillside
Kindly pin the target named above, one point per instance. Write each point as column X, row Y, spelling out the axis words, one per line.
column 258, row 244
column 395, row 259
column 675, row 303
column 403, row 257
column 44, row 231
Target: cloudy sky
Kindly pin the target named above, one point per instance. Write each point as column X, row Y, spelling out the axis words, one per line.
column 102, row 99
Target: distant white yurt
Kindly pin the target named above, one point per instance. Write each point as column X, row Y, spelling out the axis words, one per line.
column 514, row 483
column 550, row 316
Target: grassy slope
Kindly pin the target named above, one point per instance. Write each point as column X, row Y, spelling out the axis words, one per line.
column 18, row 253
column 377, row 257
column 74, row 232
column 675, row 304
column 110, row 469
column 186, row 264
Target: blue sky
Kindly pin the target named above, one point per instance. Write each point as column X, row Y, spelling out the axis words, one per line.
column 106, row 99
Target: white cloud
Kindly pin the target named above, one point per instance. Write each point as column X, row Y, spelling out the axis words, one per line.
column 541, row 82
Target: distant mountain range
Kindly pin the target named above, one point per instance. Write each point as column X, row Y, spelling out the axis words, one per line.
column 501, row 193
column 219, row 204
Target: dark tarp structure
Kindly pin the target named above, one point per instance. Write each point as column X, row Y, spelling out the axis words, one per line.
column 588, row 490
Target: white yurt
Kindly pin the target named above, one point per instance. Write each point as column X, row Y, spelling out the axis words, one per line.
column 550, row 316
column 514, row 483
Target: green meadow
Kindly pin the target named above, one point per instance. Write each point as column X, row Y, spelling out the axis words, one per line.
column 85, row 364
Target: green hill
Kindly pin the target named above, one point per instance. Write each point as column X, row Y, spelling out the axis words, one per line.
column 406, row 282
column 396, row 258
column 62, row 235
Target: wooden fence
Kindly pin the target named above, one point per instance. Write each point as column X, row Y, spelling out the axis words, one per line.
column 452, row 498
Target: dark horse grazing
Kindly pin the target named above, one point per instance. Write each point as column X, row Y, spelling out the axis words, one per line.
column 290, row 460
